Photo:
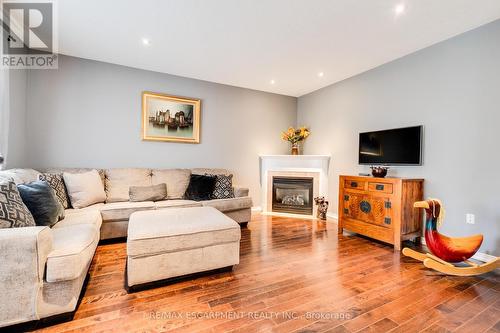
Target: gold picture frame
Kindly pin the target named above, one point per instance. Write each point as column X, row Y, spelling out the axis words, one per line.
column 170, row 118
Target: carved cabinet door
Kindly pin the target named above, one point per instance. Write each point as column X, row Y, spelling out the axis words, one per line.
column 370, row 209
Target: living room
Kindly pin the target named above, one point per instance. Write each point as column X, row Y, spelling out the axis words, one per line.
column 250, row 166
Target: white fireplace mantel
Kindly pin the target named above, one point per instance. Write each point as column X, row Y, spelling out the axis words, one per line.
column 293, row 163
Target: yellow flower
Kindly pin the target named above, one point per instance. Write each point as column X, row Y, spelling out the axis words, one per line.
column 295, row 135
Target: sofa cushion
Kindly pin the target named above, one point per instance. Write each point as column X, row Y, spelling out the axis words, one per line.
column 119, row 211
column 200, row 187
column 56, row 181
column 42, row 202
column 72, row 250
column 148, row 193
column 75, row 170
column 96, row 207
column 172, row 230
column 227, row 205
column 241, row 191
column 211, row 171
column 176, row 204
column 177, row 181
column 84, row 189
column 118, row 182
column 20, row 176
column 13, row 211
column 81, row 216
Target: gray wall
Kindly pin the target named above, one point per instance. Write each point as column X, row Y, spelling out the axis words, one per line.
column 88, row 113
column 453, row 89
column 16, row 142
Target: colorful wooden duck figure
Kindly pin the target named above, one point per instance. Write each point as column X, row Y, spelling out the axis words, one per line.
column 447, row 250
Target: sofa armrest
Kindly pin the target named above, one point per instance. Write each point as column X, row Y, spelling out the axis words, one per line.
column 240, row 192
column 23, row 255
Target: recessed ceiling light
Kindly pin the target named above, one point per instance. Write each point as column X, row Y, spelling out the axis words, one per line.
column 272, row 82
column 321, row 74
column 399, row 9
column 146, row 41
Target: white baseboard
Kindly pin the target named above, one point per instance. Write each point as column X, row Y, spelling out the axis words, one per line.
column 332, row 217
column 484, row 257
column 257, row 209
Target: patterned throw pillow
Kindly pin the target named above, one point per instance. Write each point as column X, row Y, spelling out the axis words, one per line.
column 13, row 212
column 223, row 187
column 56, row 181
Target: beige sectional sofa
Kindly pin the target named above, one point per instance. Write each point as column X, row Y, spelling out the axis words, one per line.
column 117, row 209
column 43, row 269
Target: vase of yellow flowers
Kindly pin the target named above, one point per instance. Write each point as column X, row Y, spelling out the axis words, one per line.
column 294, row 136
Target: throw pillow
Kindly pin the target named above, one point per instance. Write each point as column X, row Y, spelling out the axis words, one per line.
column 13, row 211
column 42, row 202
column 200, row 187
column 56, row 181
column 119, row 181
column 177, row 181
column 223, row 187
column 84, row 189
column 148, row 193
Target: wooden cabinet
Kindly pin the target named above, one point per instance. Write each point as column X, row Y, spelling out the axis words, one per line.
column 381, row 208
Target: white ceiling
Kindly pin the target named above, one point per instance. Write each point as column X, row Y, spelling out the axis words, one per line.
column 248, row 43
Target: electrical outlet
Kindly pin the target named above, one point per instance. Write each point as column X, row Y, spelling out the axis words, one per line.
column 470, row 219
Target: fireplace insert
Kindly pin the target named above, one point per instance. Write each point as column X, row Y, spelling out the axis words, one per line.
column 293, row 195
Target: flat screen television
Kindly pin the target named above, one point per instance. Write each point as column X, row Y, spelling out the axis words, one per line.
column 400, row 146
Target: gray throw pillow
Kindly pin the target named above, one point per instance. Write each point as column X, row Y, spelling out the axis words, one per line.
column 223, row 187
column 42, row 202
column 13, row 212
column 56, row 181
column 148, row 193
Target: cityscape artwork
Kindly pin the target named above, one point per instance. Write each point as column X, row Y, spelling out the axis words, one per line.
column 170, row 118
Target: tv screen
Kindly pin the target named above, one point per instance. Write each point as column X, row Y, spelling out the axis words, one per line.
column 401, row 146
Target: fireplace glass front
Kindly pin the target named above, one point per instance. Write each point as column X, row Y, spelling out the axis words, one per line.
column 293, row 195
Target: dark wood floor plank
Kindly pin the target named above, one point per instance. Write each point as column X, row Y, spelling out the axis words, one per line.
column 452, row 320
column 481, row 322
column 383, row 325
column 495, row 328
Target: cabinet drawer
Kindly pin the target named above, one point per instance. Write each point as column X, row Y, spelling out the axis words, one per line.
column 370, row 230
column 380, row 187
column 354, row 184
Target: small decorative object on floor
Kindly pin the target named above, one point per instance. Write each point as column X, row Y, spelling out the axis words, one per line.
column 294, row 136
column 379, row 172
column 448, row 250
column 322, row 207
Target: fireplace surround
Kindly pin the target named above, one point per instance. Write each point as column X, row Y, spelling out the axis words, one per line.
column 312, row 167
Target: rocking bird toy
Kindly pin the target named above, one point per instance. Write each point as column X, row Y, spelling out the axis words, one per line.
column 447, row 250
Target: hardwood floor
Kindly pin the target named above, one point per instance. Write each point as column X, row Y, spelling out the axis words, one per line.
column 294, row 276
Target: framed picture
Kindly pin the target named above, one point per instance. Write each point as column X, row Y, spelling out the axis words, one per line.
column 170, row 118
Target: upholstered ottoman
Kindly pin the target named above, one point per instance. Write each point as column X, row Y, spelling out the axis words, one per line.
column 169, row 243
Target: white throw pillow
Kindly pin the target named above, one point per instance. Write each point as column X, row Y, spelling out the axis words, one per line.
column 84, row 189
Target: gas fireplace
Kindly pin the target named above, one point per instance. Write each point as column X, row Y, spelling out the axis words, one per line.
column 293, row 195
